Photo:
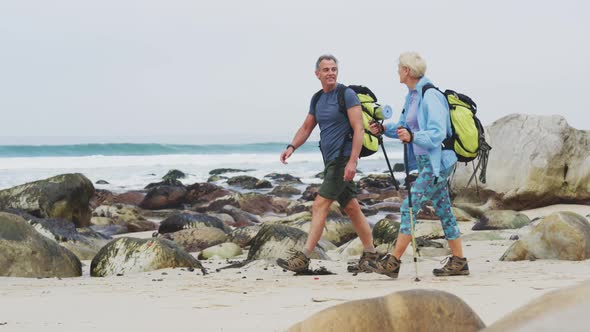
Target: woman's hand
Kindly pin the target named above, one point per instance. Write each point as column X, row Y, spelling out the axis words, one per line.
column 404, row 135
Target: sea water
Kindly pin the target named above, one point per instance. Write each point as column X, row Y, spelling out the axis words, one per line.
column 132, row 166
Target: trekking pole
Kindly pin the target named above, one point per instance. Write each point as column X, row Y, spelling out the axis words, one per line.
column 411, row 211
column 388, row 165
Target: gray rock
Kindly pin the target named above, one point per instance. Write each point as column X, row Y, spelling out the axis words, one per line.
column 130, row 255
column 27, row 253
column 536, row 161
column 218, row 171
column 242, row 236
column 224, row 251
column 275, row 241
column 501, row 219
column 197, row 239
column 190, row 220
column 438, row 311
column 83, row 242
column 385, row 231
column 561, row 235
column 560, row 310
column 167, row 182
column 164, row 197
column 63, row 196
column 284, row 179
column 174, row 174
column 336, row 230
column 243, row 181
column 285, row 191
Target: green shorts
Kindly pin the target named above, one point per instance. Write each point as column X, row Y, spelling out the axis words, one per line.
column 334, row 187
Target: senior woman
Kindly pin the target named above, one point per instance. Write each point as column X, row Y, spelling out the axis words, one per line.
column 423, row 125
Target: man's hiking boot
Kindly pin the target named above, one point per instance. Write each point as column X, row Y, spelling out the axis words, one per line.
column 367, row 263
column 455, row 266
column 298, row 262
column 389, row 266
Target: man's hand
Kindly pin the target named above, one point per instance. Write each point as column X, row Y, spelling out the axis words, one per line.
column 350, row 170
column 286, row 154
column 376, row 128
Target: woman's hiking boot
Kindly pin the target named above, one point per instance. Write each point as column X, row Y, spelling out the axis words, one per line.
column 389, row 266
column 455, row 266
column 367, row 263
column 298, row 262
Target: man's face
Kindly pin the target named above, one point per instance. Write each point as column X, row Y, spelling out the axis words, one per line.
column 327, row 73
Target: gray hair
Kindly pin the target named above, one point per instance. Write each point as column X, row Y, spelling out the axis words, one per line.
column 414, row 62
column 325, row 57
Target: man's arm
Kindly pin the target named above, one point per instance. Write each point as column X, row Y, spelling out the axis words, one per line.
column 356, row 123
column 301, row 136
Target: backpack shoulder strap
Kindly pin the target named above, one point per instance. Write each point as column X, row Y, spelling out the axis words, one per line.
column 340, row 95
column 428, row 86
column 316, row 98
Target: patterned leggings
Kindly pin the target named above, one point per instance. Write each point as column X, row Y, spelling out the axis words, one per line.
column 424, row 189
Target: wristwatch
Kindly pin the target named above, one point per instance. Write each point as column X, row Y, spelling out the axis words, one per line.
column 291, row 146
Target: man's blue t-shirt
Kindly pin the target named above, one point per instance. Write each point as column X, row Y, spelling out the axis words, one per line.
column 334, row 125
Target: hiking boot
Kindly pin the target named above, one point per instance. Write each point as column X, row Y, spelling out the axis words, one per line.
column 367, row 263
column 389, row 265
column 298, row 262
column 455, row 266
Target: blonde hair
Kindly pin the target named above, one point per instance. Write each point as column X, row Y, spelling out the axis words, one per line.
column 414, row 62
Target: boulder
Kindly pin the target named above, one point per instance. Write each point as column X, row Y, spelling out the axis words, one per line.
column 64, row 196
column 218, row 171
column 310, row 192
column 275, row 241
column 284, row 191
column 336, row 230
column 284, row 179
column 560, row 310
column 501, row 219
column 248, row 182
column 83, row 242
column 27, row 253
column 190, row 220
column 174, row 174
column 129, row 255
column 241, row 218
column 461, row 215
column 256, row 203
column 242, row 236
column 535, row 161
column 385, row 231
column 216, row 204
column 224, row 251
column 204, row 192
column 167, row 182
column 197, row 239
column 561, row 235
column 375, row 181
column 128, row 216
column 410, row 310
column 163, row 197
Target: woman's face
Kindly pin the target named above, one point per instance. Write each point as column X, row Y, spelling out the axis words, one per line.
column 403, row 72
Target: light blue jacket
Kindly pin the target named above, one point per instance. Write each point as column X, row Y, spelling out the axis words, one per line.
column 435, row 125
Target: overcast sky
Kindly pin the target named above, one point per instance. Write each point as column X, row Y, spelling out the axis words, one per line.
column 204, row 72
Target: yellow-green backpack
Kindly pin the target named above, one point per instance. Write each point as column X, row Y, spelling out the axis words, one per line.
column 372, row 112
column 468, row 139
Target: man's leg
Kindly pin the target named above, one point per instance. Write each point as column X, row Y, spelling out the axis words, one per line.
column 320, row 209
column 359, row 223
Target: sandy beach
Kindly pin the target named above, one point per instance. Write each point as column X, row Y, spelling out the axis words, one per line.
column 261, row 297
